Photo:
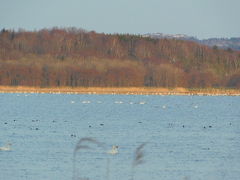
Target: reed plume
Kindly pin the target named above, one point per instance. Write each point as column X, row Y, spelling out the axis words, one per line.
column 138, row 158
column 84, row 143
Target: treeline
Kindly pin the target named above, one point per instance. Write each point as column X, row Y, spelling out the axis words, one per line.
column 74, row 57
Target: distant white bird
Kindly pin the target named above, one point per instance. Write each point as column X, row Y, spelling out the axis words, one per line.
column 86, row 102
column 6, row 148
column 113, row 151
column 118, row 102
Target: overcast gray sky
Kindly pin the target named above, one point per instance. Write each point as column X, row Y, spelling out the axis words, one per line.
column 200, row 18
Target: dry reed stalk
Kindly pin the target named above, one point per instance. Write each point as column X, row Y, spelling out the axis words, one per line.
column 138, row 158
column 83, row 143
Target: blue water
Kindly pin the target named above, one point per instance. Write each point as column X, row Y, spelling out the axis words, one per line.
column 188, row 137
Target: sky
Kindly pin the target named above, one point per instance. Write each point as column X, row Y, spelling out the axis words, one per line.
column 198, row 18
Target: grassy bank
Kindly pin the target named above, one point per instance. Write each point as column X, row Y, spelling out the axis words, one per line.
column 123, row 90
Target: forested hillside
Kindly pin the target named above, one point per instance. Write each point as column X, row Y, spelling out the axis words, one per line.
column 221, row 43
column 73, row 57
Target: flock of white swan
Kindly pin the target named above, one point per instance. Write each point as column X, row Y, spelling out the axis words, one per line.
column 121, row 102
column 115, row 102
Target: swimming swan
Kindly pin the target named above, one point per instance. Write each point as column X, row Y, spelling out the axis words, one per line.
column 113, row 151
column 6, row 148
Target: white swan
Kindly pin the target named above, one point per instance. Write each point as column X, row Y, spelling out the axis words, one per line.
column 118, row 102
column 86, row 102
column 6, row 148
column 113, row 151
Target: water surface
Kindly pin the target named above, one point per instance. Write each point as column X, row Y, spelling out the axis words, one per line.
column 189, row 137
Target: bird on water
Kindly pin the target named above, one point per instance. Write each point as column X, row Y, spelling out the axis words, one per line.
column 113, row 151
column 6, row 148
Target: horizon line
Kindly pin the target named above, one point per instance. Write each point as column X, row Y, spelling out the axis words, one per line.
column 19, row 29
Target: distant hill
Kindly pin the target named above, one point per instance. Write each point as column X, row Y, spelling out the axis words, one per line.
column 77, row 58
column 170, row 36
column 222, row 43
column 225, row 43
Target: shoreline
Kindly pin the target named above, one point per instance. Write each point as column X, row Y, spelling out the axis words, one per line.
column 121, row 90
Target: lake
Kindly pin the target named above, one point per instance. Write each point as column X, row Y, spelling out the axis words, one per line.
column 187, row 137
